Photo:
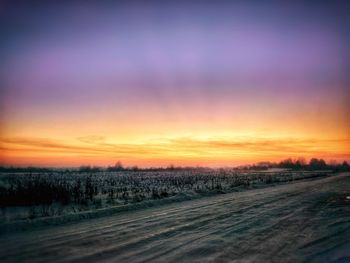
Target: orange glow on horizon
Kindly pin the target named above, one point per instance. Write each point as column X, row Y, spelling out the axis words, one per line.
column 187, row 135
column 185, row 151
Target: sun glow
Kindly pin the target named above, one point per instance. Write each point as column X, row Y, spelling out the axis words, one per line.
column 147, row 88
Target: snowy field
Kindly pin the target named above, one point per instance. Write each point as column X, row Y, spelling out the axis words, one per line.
column 299, row 221
column 69, row 194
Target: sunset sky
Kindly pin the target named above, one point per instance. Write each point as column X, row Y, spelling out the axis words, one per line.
column 214, row 84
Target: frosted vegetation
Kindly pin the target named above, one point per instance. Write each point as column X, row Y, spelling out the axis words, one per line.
column 29, row 195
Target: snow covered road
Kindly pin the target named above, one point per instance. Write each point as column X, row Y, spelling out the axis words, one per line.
column 305, row 221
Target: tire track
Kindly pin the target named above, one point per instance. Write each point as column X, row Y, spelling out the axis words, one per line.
column 192, row 228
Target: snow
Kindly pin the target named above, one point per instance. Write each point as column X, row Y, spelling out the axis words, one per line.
column 304, row 221
column 63, row 195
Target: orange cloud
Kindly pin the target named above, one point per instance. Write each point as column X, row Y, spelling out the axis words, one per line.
column 181, row 150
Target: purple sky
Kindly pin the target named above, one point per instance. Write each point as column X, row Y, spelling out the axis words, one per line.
column 184, row 63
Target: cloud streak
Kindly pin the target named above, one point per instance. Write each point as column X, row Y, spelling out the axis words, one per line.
column 183, row 149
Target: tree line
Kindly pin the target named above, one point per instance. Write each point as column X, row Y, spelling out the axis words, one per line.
column 302, row 164
column 289, row 163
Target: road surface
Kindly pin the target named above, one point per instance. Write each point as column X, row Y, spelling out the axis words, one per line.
column 306, row 221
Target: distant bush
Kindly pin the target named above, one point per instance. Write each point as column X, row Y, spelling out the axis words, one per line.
column 314, row 164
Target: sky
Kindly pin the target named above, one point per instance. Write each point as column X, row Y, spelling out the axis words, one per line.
column 154, row 83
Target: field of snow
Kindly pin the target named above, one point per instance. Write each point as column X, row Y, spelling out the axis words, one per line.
column 302, row 221
column 27, row 196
